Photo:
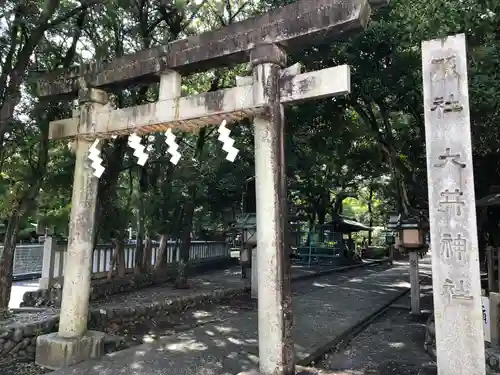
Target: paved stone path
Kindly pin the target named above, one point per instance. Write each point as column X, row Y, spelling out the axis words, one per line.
column 229, row 278
column 202, row 284
column 225, row 278
column 324, row 308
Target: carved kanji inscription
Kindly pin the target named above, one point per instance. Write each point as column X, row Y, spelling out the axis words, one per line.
column 457, row 290
column 451, row 201
column 453, row 248
column 445, row 85
column 449, row 157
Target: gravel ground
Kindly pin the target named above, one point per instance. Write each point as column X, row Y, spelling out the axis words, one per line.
column 392, row 345
column 13, row 367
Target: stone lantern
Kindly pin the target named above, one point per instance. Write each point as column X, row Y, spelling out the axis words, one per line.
column 412, row 240
column 412, row 234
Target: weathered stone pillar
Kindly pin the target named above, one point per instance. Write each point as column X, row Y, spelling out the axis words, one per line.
column 452, row 208
column 47, row 278
column 414, row 284
column 73, row 343
column 276, row 351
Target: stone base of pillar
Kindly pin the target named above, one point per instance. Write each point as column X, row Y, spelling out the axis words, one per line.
column 55, row 352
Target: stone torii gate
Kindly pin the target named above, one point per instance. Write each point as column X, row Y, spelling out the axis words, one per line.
column 263, row 41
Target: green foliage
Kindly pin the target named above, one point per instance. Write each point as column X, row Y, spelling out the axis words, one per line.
column 367, row 148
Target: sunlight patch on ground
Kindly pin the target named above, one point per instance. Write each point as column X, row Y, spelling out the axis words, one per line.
column 234, row 340
column 136, row 366
column 201, row 314
column 225, row 329
column 219, row 343
column 356, row 280
column 148, row 338
column 397, row 345
column 402, row 284
column 190, row 345
column 322, row 285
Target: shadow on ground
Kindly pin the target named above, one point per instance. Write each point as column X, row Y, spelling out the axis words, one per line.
column 226, row 340
column 391, row 345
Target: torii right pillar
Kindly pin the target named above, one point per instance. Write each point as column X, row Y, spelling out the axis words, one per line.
column 276, row 350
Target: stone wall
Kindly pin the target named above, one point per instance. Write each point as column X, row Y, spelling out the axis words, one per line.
column 375, row 252
column 103, row 288
column 20, row 340
column 492, row 353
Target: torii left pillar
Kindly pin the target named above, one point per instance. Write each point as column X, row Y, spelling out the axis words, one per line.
column 73, row 343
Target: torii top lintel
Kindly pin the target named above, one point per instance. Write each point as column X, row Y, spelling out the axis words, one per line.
column 305, row 22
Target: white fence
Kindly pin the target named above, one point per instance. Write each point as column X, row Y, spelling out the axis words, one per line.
column 48, row 260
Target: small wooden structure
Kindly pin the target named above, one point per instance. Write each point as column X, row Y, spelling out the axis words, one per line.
column 246, row 222
column 330, row 243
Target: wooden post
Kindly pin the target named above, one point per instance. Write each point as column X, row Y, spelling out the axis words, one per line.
column 495, row 318
column 490, row 266
column 414, row 283
column 496, row 267
column 452, row 209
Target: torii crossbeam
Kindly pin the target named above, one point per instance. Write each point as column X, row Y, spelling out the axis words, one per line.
column 294, row 26
column 211, row 108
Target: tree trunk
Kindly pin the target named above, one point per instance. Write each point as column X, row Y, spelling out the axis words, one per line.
column 7, row 261
column 370, row 214
column 139, row 246
column 321, row 215
column 118, row 259
column 23, row 206
column 107, row 192
column 114, row 260
column 148, row 253
column 187, row 226
column 161, row 257
column 27, row 201
column 121, row 266
column 386, row 146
